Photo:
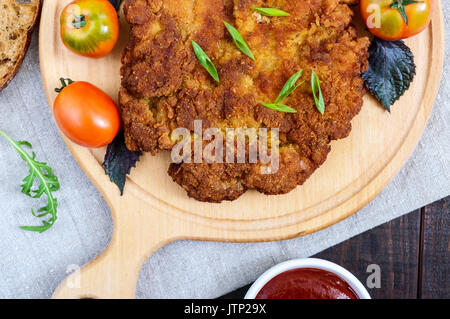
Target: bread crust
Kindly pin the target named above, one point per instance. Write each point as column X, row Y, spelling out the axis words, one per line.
column 15, row 69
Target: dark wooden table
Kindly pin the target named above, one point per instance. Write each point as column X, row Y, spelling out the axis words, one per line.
column 413, row 253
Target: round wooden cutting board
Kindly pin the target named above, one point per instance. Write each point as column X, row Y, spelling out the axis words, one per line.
column 155, row 211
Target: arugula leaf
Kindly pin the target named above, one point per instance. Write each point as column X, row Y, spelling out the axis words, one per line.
column 317, row 92
column 119, row 161
column 272, row 12
column 205, row 61
column 48, row 183
column 290, row 86
column 391, row 70
column 279, row 107
column 239, row 40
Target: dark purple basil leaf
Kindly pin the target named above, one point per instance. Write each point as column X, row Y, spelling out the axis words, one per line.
column 119, row 161
column 116, row 4
column 391, row 70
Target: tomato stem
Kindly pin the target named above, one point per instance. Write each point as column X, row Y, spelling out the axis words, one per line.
column 400, row 6
column 79, row 21
column 63, row 84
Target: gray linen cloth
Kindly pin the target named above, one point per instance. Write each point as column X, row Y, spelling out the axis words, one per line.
column 32, row 265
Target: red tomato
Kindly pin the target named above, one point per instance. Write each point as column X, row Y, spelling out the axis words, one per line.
column 86, row 115
column 90, row 27
column 396, row 19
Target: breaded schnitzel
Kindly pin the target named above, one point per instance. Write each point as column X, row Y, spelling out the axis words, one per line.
column 165, row 87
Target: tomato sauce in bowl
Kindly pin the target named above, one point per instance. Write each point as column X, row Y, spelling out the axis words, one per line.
column 307, row 283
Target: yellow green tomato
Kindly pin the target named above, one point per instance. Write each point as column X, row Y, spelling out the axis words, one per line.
column 89, row 27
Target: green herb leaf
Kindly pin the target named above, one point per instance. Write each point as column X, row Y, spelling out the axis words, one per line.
column 279, row 107
column 205, row 61
column 48, row 183
column 271, row 12
column 119, row 161
column 391, row 70
column 290, row 86
column 239, row 40
column 317, row 92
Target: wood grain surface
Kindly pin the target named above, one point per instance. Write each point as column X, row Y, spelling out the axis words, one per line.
column 155, row 211
column 394, row 247
column 412, row 251
column 435, row 262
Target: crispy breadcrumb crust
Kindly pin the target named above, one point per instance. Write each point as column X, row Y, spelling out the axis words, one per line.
column 17, row 22
column 165, row 87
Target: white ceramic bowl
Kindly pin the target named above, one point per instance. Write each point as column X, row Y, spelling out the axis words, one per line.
column 353, row 282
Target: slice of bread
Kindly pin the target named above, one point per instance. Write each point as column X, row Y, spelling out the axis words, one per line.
column 17, row 19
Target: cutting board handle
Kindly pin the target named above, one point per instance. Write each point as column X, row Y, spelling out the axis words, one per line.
column 114, row 273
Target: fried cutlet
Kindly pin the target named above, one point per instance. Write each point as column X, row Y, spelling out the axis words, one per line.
column 164, row 86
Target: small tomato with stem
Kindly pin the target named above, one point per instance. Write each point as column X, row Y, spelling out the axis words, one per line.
column 86, row 114
column 89, row 27
column 396, row 19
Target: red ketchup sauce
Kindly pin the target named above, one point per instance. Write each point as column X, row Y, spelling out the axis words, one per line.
column 307, row 283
